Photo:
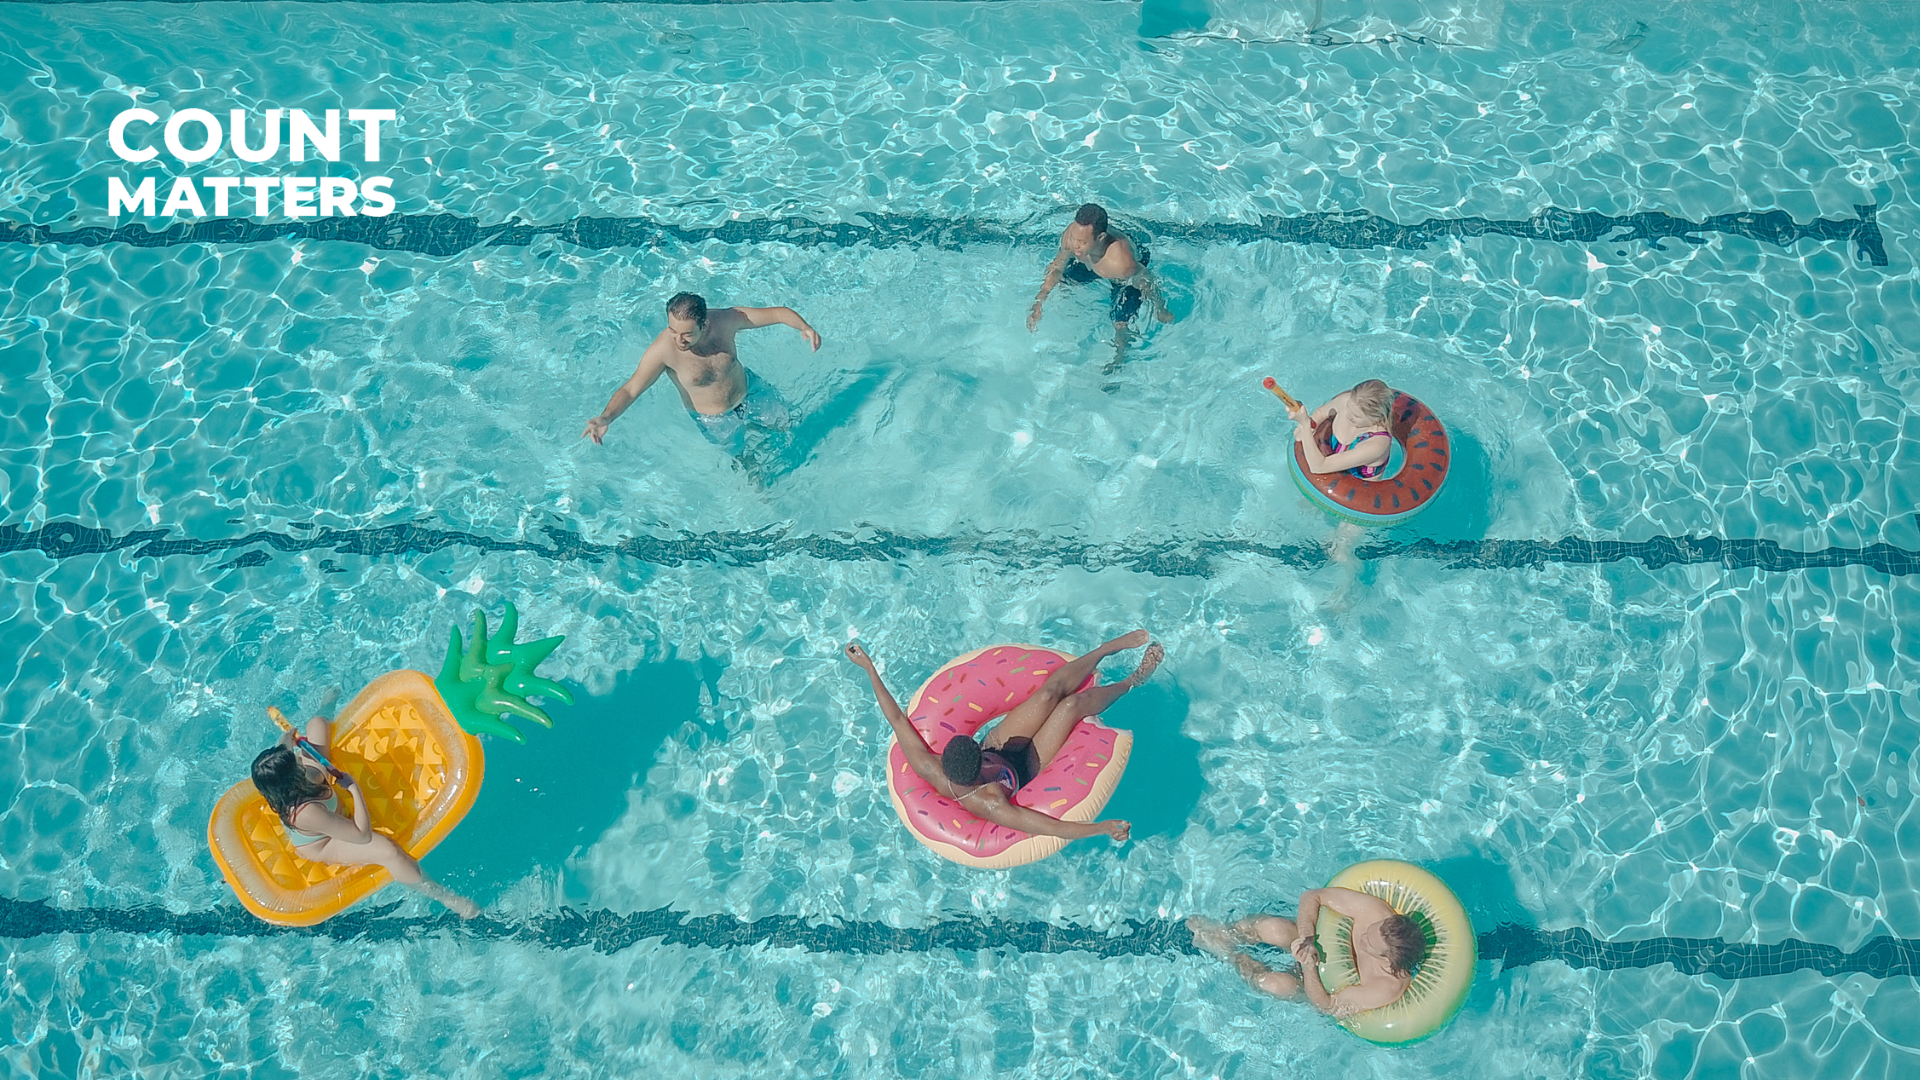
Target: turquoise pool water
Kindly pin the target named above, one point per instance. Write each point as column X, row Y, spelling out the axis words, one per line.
column 1638, row 748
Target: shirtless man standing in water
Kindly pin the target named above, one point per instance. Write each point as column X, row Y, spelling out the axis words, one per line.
column 696, row 351
column 1387, row 946
column 1088, row 253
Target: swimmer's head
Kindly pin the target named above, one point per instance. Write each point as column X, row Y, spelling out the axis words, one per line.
column 1396, row 939
column 1089, row 224
column 283, row 780
column 686, row 317
column 1373, row 400
column 961, row 760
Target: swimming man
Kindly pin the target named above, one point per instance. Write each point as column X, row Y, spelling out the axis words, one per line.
column 1090, row 251
column 696, row 351
column 1387, row 946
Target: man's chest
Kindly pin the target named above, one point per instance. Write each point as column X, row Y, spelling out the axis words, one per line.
column 697, row 369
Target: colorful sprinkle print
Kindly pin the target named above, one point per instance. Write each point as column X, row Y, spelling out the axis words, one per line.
column 939, row 716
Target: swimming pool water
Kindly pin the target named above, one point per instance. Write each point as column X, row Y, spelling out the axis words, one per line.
column 1635, row 748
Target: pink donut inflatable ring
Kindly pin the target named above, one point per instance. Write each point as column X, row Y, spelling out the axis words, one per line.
column 965, row 696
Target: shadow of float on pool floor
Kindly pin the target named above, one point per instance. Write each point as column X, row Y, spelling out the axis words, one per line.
column 1484, row 885
column 1464, row 508
column 563, row 788
column 1164, row 781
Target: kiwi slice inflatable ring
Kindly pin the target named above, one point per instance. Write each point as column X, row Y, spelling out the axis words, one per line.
column 1441, row 982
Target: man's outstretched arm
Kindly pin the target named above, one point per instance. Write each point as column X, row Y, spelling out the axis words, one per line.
column 1054, row 270
column 754, row 317
column 652, row 363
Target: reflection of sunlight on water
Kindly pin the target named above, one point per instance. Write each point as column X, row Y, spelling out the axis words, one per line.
column 1690, row 750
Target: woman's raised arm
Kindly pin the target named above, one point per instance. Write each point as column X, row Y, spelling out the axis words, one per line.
column 919, row 754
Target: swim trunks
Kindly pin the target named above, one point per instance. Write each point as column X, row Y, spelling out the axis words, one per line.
column 1125, row 302
column 763, row 407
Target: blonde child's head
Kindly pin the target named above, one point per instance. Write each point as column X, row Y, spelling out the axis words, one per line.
column 1372, row 401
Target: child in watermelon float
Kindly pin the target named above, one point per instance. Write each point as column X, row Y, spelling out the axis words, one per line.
column 982, row 776
column 1387, row 946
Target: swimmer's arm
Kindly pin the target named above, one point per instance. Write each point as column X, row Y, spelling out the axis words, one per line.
column 1309, row 957
column 997, row 808
column 919, row 755
column 1367, row 453
column 1325, row 412
column 754, row 317
column 1047, row 283
column 652, row 363
column 319, row 821
column 1367, row 995
column 1363, row 908
column 1348, row 1002
column 1052, row 277
column 1307, row 919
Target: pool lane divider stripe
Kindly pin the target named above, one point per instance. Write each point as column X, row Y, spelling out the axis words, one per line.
column 1508, row 945
column 451, row 234
column 1177, row 558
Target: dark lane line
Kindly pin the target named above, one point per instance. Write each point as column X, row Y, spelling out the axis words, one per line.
column 1509, row 945
column 1018, row 550
column 451, row 234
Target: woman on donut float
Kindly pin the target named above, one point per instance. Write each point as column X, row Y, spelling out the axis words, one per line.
column 983, row 775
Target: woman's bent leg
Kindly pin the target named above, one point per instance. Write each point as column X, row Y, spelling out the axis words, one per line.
column 1092, row 702
column 1028, row 716
column 320, row 733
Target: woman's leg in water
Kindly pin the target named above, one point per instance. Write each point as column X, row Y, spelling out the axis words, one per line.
column 1211, row 937
column 381, row 851
column 1027, row 717
column 1090, row 702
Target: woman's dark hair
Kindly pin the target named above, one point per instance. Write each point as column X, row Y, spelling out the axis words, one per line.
column 961, row 760
column 1092, row 214
column 284, row 782
column 1406, row 943
column 689, row 306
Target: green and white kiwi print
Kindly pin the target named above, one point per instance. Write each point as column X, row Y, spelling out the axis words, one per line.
column 1440, row 983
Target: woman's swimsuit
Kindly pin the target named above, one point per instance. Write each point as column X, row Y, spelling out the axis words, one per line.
column 1364, row 472
column 300, row 839
column 1013, row 764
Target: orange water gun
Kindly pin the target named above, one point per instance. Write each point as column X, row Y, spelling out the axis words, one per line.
column 1274, row 388
column 312, row 751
